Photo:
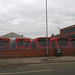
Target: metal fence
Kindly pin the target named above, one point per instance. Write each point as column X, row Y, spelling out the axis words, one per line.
column 17, row 56
column 41, row 45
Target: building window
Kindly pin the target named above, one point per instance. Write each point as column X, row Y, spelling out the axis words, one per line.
column 71, row 36
column 69, row 30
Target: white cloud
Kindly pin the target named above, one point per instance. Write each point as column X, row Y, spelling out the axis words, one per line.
column 27, row 17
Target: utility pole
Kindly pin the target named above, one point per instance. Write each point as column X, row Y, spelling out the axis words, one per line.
column 46, row 29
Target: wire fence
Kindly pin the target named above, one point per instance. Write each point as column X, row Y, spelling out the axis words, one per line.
column 21, row 57
column 40, row 45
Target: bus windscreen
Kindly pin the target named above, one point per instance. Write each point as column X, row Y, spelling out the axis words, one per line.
column 62, row 41
column 3, row 43
column 43, row 41
column 23, row 43
column 26, row 43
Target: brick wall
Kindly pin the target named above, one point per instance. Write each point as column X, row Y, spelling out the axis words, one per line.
column 68, row 51
column 34, row 52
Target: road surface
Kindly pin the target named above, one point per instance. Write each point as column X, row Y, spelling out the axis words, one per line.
column 65, row 68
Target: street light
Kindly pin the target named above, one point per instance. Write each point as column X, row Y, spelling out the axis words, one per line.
column 46, row 29
column 59, row 29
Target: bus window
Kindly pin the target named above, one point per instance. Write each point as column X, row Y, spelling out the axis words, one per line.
column 1, row 43
column 20, row 43
column 23, row 43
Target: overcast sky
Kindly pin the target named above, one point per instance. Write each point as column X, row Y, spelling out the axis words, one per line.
column 27, row 17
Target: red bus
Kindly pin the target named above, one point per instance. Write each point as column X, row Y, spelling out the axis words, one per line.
column 41, row 42
column 4, row 43
column 53, row 42
column 73, row 42
column 23, row 43
column 60, row 42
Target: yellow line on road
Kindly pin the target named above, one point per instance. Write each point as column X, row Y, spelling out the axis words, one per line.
column 26, row 72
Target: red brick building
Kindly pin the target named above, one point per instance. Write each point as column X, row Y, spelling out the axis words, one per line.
column 68, row 31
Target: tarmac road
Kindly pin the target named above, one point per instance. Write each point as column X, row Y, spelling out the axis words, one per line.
column 65, row 68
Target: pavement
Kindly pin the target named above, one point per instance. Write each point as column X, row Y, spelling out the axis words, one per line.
column 36, row 60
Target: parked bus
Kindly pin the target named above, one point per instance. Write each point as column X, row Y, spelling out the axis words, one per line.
column 60, row 42
column 23, row 43
column 73, row 42
column 4, row 43
column 41, row 42
column 53, row 43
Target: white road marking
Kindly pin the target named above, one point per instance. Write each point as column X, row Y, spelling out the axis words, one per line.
column 27, row 72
